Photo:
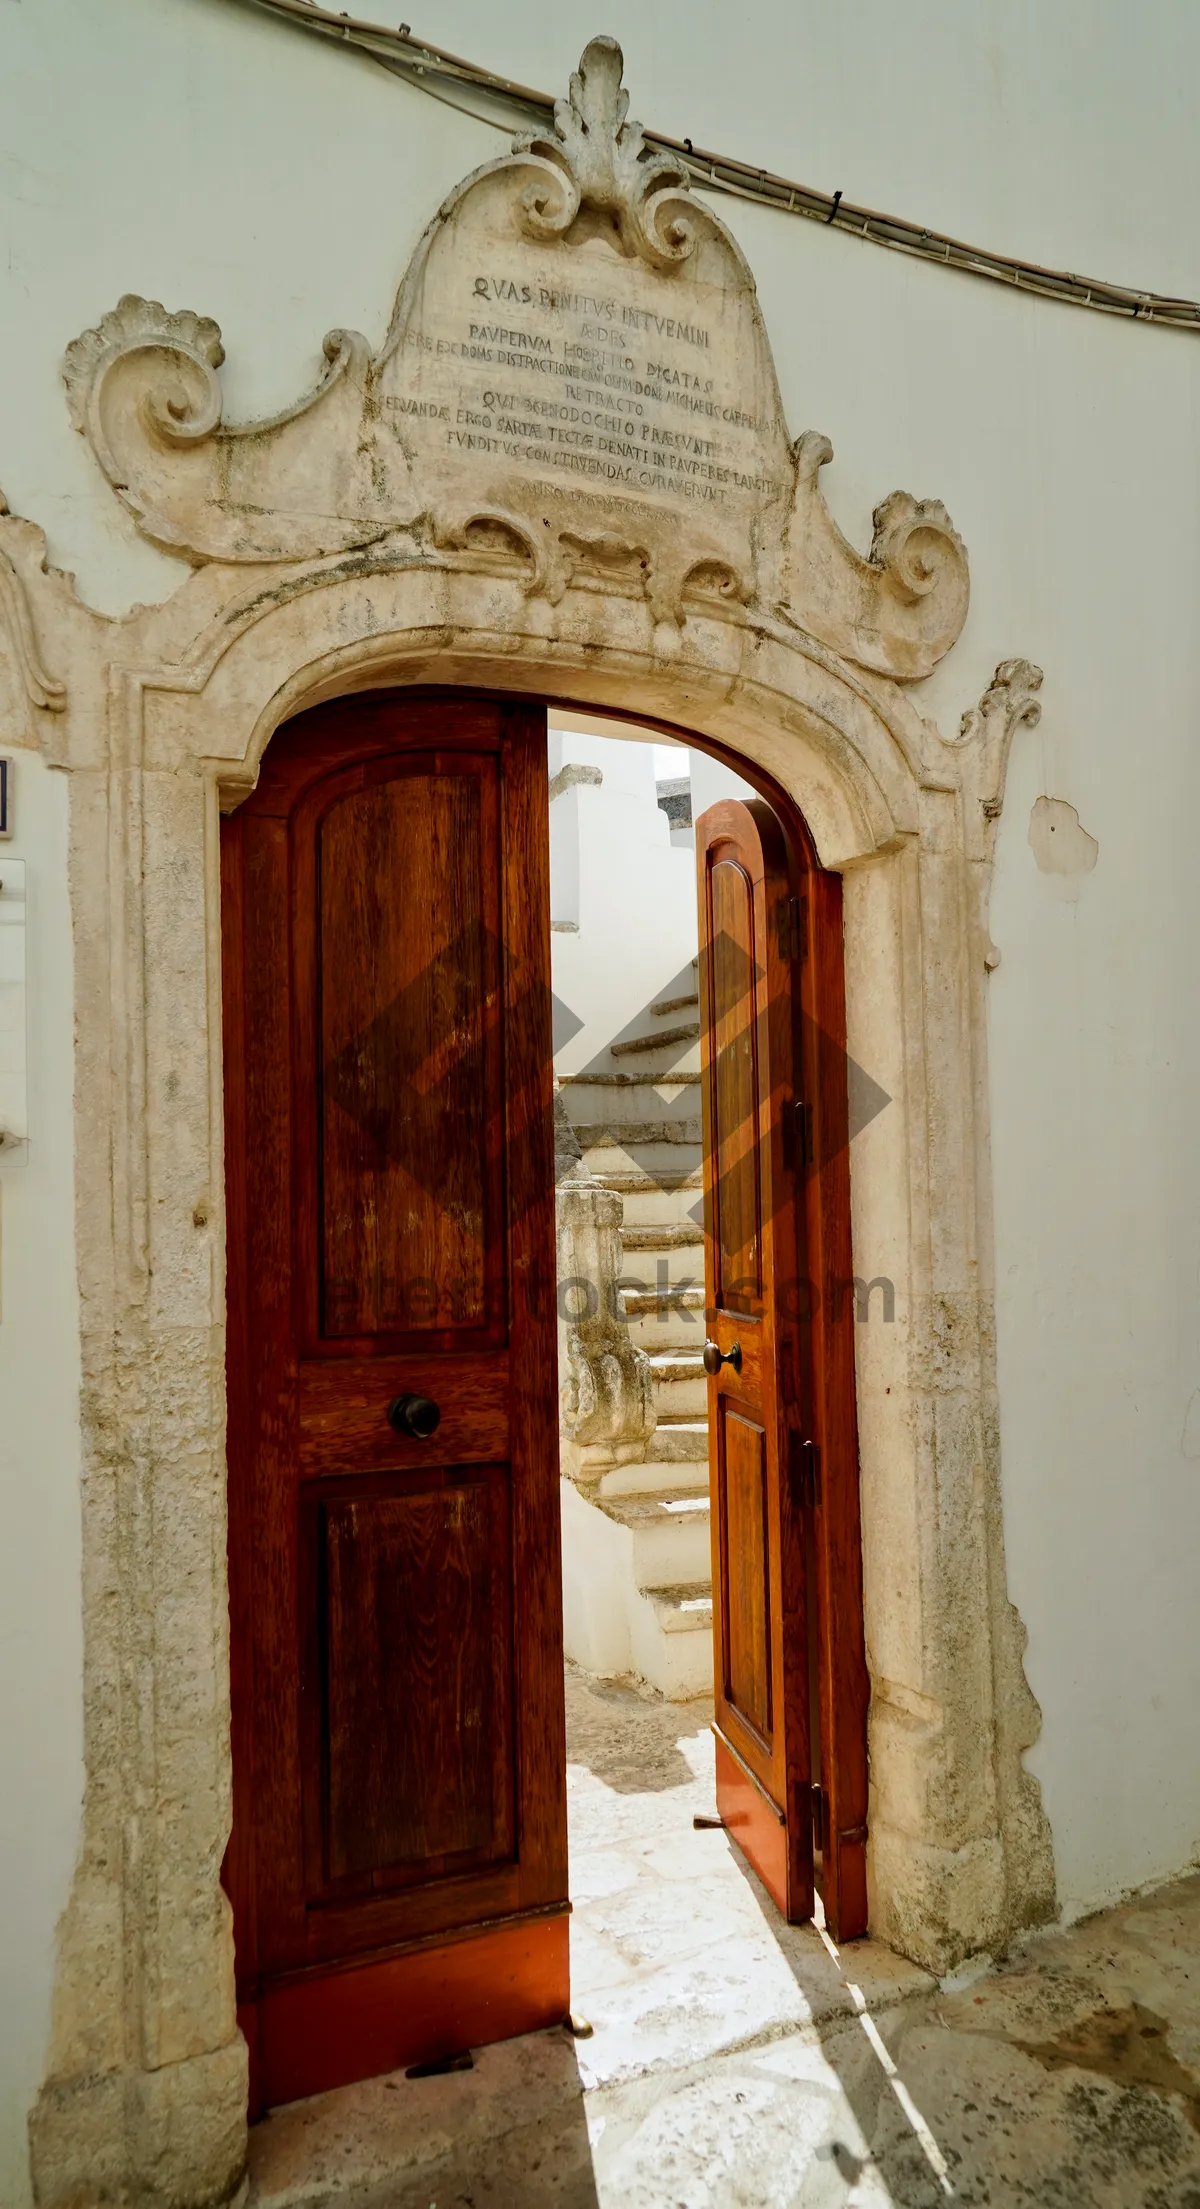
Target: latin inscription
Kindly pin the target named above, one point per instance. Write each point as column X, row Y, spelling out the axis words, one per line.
column 589, row 390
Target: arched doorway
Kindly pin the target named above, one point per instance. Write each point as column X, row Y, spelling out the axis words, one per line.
column 398, row 1861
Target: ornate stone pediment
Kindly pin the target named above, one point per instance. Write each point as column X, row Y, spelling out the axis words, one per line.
column 576, row 385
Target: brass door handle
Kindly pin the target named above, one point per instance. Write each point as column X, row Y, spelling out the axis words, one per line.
column 417, row 1415
column 715, row 1357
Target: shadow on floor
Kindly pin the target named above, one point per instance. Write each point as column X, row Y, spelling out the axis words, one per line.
column 629, row 1738
column 737, row 2062
column 891, row 2137
column 510, row 2134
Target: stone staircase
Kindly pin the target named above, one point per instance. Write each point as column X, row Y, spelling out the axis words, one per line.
column 636, row 1112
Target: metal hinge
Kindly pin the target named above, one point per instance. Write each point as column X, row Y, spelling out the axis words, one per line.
column 805, row 1466
column 797, row 1135
column 792, row 916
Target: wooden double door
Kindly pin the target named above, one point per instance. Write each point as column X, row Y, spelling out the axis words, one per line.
column 398, row 1862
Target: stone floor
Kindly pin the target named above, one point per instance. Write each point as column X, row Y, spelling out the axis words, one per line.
column 737, row 2061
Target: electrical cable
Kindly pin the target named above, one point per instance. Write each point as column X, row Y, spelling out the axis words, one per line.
column 508, row 106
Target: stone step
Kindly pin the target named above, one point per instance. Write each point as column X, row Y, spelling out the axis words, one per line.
column 680, row 1401
column 665, row 1235
column 670, row 1531
column 665, row 1165
column 686, row 1032
column 675, row 1004
column 604, row 1078
column 648, row 1203
column 652, row 1271
column 678, row 1439
column 678, row 1607
column 678, row 1366
column 605, row 1100
column 672, row 1639
column 622, row 1134
column 639, row 1302
column 669, row 1329
column 656, row 1476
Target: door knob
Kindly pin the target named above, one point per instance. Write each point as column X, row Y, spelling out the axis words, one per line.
column 715, row 1357
column 417, row 1415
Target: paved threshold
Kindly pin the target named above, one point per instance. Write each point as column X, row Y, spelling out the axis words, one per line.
column 736, row 2061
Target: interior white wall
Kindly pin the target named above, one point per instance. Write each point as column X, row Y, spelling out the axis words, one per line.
column 633, row 892
column 203, row 155
column 41, row 1753
column 712, row 780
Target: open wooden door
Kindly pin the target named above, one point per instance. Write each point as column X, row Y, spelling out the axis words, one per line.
column 790, row 1671
column 398, row 1867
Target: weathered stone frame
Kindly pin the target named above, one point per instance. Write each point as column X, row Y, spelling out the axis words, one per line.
column 163, row 721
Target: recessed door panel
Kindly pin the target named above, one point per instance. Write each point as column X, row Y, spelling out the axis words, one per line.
column 408, row 975
column 416, row 1678
column 737, row 1189
column 746, row 1582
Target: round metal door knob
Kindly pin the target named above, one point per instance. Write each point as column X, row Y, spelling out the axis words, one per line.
column 715, row 1357
column 417, row 1415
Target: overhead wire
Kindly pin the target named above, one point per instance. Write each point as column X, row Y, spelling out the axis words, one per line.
column 507, row 105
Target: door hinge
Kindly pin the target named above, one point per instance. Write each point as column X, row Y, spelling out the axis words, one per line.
column 792, row 916
column 820, row 1817
column 805, row 1468
column 797, row 1135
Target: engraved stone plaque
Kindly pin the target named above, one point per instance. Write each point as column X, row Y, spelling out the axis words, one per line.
column 595, row 383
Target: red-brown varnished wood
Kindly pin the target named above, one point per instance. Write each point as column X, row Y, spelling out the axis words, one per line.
column 808, row 1360
column 843, row 1684
column 399, row 1765
column 412, row 2007
column 752, row 1258
column 754, row 1822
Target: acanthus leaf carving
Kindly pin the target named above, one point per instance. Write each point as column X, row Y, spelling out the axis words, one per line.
column 983, row 745
column 40, row 686
column 576, row 390
column 143, row 388
column 597, row 158
column 899, row 610
column 1011, row 701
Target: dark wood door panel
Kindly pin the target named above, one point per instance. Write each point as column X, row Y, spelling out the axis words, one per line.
column 746, row 1580
column 399, row 1040
column 749, row 1031
column 787, row 1615
column 343, row 1412
column 735, row 980
column 409, row 1044
column 416, row 1677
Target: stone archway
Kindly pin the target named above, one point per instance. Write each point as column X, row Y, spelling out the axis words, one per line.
column 774, row 641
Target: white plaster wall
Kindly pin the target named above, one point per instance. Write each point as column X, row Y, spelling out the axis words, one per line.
column 41, row 1762
column 195, row 152
column 631, row 891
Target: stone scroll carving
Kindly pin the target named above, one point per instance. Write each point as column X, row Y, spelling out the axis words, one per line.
column 17, row 639
column 1010, row 702
column 606, row 1385
column 576, row 388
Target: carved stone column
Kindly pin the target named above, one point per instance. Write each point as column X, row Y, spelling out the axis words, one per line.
column 606, row 1387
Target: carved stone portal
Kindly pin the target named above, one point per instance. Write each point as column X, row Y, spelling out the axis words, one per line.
column 565, row 474
column 576, row 383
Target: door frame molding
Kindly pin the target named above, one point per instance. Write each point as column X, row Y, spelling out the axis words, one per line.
column 164, row 719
